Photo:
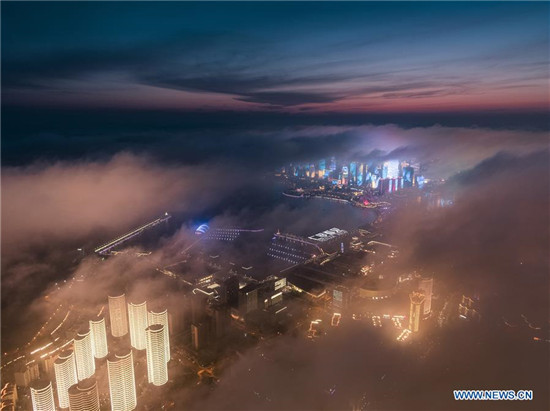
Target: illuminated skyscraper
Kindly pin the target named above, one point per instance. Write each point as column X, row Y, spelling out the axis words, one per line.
column 345, row 175
column 99, row 337
column 360, row 174
column 137, row 316
column 122, row 383
column 118, row 315
column 84, row 354
column 353, row 174
column 65, row 376
column 84, row 396
column 157, row 316
column 416, row 310
column 391, row 169
column 322, row 168
column 332, row 164
column 157, row 370
column 42, row 396
column 408, row 176
column 426, row 286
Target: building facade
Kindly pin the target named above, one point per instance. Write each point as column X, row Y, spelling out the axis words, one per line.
column 84, row 354
column 42, row 396
column 118, row 315
column 122, row 383
column 157, row 316
column 157, row 370
column 99, row 337
column 137, row 316
column 416, row 311
column 65, row 376
column 84, row 396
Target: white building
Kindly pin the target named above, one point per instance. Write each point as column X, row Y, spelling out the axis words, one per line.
column 84, row 396
column 161, row 317
column 84, row 354
column 118, row 315
column 65, row 376
column 157, row 370
column 42, row 396
column 99, row 337
column 137, row 316
column 122, row 383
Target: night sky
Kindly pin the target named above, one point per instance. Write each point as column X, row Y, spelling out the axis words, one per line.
column 314, row 57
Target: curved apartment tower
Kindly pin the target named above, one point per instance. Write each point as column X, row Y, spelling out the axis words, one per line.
column 65, row 376
column 118, row 315
column 122, row 383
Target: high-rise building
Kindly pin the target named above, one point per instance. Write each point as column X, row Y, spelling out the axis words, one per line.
column 157, row 370
column 390, row 169
column 9, row 397
column 42, row 396
column 345, row 175
column 159, row 316
column 137, row 316
column 84, row 354
column 360, row 174
column 65, row 376
column 248, row 298
column 118, row 315
column 122, row 383
column 229, row 292
column 408, row 176
column 322, row 168
column 220, row 315
column 47, row 365
column 99, row 337
column 416, row 310
column 199, row 335
column 353, row 173
column 27, row 373
column 332, row 163
column 426, row 286
column 84, row 396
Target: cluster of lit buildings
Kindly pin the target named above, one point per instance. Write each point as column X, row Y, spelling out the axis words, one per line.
column 76, row 387
column 389, row 176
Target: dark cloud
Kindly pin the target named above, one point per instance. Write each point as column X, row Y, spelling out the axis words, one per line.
column 281, row 98
column 250, row 59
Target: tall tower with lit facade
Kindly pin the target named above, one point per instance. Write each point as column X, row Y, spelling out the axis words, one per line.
column 122, row 383
column 353, row 174
column 84, row 396
column 137, row 316
column 157, row 370
column 426, row 286
column 158, row 316
column 416, row 310
column 99, row 337
column 84, row 354
column 118, row 315
column 42, row 396
column 360, row 174
column 65, row 376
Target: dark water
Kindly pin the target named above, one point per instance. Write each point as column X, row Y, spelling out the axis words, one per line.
column 263, row 206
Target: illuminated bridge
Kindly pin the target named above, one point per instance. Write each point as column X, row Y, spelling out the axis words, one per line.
column 105, row 248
